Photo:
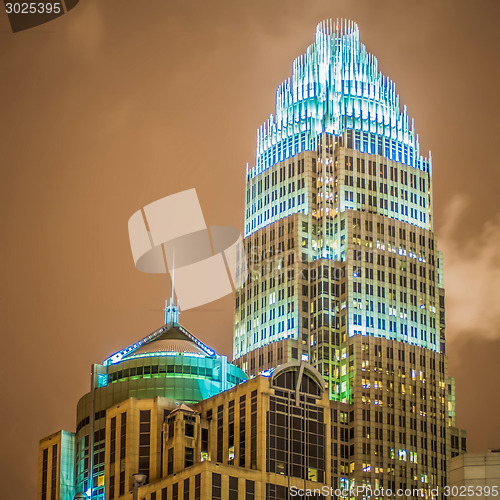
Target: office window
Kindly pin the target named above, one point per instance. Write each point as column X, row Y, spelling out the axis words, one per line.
column 122, row 483
column 144, row 441
column 231, row 434
column 175, row 491
column 276, row 492
column 170, row 461
column 164, row 493
column 189, row 430
column 233, row 488
column 216, row 486
column 220, row 432
column 112, row 442
column 242, row 430
column 253, row 430
column 112, row 487
column 250, row 490
column 197, row 487
column 204, row 445
column 162, row 440
column 294, row 439
column 123, row 449
column 99, row 438
column 186, row 489
column 123, row 435
column 53, row 481
column 45, row 459
column 188, row 456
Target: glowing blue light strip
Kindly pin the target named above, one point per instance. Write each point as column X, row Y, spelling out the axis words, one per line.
column 118, row 356
column 164, row 354
column 199, row 343
column 267, row 373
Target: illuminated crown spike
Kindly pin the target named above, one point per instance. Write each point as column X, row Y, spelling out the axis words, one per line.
column 335, row 86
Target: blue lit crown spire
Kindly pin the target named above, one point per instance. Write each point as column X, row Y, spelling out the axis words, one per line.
column 171, row 312
column 335, row 86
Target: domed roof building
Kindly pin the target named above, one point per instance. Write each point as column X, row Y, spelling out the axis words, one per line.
column 170, row 363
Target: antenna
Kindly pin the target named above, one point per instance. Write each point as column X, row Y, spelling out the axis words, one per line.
column 173, row 275
column 171, row 310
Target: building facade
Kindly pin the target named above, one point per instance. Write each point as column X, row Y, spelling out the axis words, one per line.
column 170, row 364
column 475, row 474
column 344, row 268
column 263, row 439
column 56, row 472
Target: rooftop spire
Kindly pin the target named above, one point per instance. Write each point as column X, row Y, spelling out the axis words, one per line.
column 171, row 312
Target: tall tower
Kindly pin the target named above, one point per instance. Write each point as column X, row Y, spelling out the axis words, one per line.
column 344, row 270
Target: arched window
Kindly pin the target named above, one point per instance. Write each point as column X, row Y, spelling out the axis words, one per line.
column 287, row 379
column 310, row 386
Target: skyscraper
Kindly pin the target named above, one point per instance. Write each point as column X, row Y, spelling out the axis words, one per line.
column 344, row 269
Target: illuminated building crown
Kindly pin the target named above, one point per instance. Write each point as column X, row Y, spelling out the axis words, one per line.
column 336, row 86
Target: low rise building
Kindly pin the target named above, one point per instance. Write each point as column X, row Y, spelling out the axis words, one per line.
column 475, row 474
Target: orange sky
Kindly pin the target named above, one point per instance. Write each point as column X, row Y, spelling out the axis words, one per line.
column 122, row 102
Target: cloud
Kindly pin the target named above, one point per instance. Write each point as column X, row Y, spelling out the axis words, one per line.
column 471, row 273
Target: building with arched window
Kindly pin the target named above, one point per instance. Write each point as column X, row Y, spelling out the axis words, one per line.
column 169, row 365
column 262, row 439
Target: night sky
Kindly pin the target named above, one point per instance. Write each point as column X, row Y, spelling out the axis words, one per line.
column 119, row 103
